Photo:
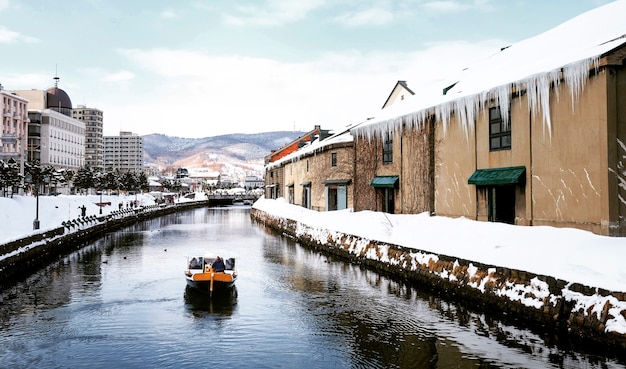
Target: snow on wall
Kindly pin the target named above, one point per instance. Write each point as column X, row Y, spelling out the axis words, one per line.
column 605, row 312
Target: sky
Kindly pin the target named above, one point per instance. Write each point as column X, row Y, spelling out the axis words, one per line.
column 573, row 255
column 205, row 68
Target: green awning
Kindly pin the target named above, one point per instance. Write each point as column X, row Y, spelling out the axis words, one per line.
column 385, row 181
column 337, row 182
column 498, row 176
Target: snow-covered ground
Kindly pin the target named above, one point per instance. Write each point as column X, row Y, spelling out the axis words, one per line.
column 569, row 254
column 18, row 213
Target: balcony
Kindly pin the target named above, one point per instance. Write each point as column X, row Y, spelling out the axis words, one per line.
column 8, row 139
column 8, row 155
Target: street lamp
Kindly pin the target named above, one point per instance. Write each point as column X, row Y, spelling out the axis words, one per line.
column 100, row 185
column 36, row 183
column 28, row 178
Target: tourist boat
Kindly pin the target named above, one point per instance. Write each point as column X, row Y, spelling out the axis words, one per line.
column 210, row 273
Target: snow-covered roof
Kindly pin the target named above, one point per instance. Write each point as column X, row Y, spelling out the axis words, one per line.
column 199, row 173
column 568, row 51
column 342, row 136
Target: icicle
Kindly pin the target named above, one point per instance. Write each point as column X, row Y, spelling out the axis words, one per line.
column 442, row 114
column 503, row 100
column 538, row 89
column 576, row 75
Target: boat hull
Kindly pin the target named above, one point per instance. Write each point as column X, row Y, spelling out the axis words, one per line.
column 205, row 286
column 210, row 281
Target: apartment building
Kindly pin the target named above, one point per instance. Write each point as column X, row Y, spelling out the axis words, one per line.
column 14, row 131
column 123, row 153
column 94, row 139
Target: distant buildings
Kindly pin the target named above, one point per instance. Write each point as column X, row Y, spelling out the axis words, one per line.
column 54, row 136
column 252, row 182
column 94, row 139
column 123, row 153
column 61, row 136
column 14, row 131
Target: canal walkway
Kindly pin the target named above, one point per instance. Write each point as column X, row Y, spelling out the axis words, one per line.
column 557, row 277
column 63, row 228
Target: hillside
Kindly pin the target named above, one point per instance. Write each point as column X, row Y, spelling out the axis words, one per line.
column 234, row 154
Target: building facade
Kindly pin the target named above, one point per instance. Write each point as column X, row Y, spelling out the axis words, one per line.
column 252, row 182
column 123, row 153
column 54, row 137
column 275, row 176
column 545, row 145
column 547, row 149
column 318, row 175
column 94, row 139
column 14, row 132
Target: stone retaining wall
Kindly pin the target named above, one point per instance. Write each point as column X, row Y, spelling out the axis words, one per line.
column 590, row 314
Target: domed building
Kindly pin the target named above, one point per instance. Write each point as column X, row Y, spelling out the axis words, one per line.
column 54, row 136
column 58, row 100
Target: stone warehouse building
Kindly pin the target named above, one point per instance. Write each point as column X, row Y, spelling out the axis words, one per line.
column 319, row 174
column 535, row 135
column 274, row 177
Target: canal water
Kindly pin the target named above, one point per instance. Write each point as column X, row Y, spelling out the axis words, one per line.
column 122, row 302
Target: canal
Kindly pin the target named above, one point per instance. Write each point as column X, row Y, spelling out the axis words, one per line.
column 121, row 302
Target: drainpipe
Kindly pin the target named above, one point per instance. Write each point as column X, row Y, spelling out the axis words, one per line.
column 530, row 169
column 476, row 168
column 402, row 197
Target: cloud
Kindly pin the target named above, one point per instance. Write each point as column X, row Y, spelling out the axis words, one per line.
column 196, row 94
column 24, row 80
column 272, row 13
column 120, row 76
column 4, row 4
column 168, row 14
column 452, row 6
column 367, row 17
column 8, row 37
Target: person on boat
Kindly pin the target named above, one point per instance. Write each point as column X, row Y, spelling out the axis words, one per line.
column 218, row 265
column 194, row 264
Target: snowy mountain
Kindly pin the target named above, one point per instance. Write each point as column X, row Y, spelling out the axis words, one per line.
column 234, row 154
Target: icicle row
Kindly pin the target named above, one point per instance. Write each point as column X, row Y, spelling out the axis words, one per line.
column 538, row 88
column 576, row 75
column 503, row 100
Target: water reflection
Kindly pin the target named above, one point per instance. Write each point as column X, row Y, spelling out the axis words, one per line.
column 223, row 302
column 388, row 323
column 123, row 302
